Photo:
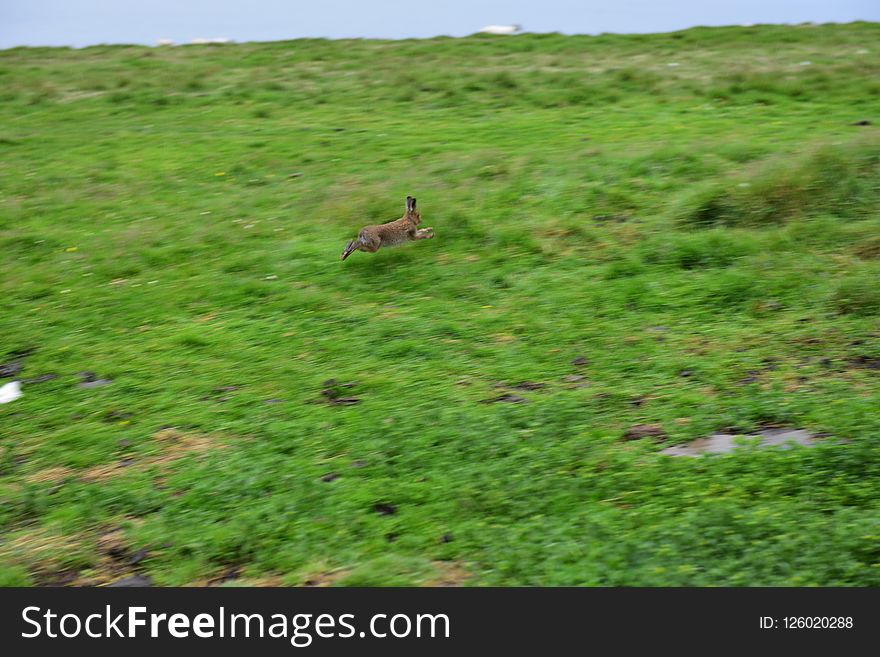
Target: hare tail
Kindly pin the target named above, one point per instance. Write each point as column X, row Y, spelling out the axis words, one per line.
column 351, row 248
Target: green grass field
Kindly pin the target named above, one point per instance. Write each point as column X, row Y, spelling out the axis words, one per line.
column 694, row 216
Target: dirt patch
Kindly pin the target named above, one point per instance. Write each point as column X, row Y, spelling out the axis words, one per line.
column 264, row 581
column 752, row 376
column 509, row 397
column 224, row 577
column 449, row 573
column 42, row 378
column 55, row 578
column 91, row 380
column 101, row 472
column 230, row 574
column 325, row 579
column 385, row 509
column 611, row 218
column 506, row 399
column 116, row 415
column 50, row 475
column 866, row 362
column 219, row 394
column 14, row 367
column 132, row 581
column 176, row 445
column 639, row 431
column 869, row 249
column 446, row 573
column 40, row 543
column 44, row 554
column 335, row 393
column 173, row 445
column 116, row 565
column 723, row 443
column 527, row 385
column 11, row 369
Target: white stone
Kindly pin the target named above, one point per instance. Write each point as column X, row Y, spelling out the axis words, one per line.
column 10, row 392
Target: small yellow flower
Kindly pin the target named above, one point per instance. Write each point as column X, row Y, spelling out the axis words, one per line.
column 220, row 173
column 70, row 249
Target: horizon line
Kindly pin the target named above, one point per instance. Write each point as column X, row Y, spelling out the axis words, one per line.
column 224, row 41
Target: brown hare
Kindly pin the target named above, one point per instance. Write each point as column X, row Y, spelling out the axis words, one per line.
column 391, row 234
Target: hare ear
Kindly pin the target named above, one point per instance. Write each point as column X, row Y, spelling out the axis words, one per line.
column 410, row 204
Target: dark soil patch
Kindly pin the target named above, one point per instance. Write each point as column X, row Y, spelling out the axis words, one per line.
column 752, row 376
column 334, row 393
column 528, row 385
column 133, row 581
column 116, row 415
column 11, row 369
column 639, row 431
column 505, row 399
column 91, row 380
column 16, row 363
column 56, row 578
column 611, row 218
column 384, row 509
column 40, row 379
column 138, row 556
column 867, row 362
column 229, row 574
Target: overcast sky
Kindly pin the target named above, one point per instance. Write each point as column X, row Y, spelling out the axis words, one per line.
column 88, row 22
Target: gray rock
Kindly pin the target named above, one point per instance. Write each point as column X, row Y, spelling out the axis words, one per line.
column 133, row 581
column 722, row 443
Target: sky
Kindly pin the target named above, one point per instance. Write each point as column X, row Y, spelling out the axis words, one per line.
column 89, row 22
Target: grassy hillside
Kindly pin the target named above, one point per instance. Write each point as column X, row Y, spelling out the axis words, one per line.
column 692, row 218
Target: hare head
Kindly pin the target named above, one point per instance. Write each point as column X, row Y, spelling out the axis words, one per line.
column 411, row 213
